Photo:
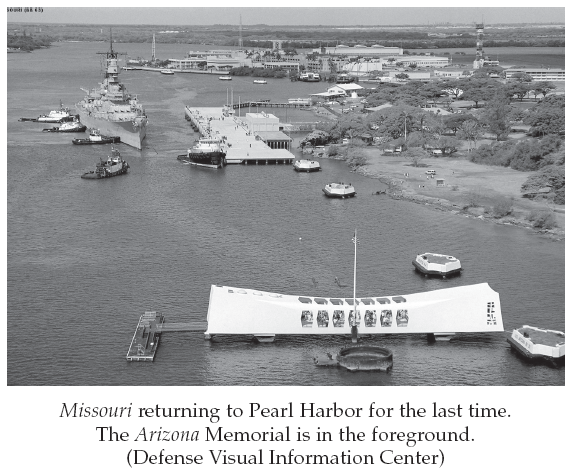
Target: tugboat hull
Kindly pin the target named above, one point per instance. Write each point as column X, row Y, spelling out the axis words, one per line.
column 103, row 141
column 96, row 176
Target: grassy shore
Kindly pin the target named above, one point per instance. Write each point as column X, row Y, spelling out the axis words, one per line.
column 469, row 190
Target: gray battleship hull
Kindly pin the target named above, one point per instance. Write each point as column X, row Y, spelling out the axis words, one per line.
column 127, row 133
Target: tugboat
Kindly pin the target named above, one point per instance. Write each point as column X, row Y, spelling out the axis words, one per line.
column 539, row 344
column 430, row 263
column 95, row 138
column 207, row 153
column 307, row 166
column 114, row 166
column 56, row 116
column 73, row 126
column 111, row 108
column 339, row 190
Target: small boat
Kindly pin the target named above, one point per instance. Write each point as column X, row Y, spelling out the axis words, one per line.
column 207, row 153
column 56, row 116
column 167, row 72
column 74, row 126
column 539, row 344
column 308, row 166
column 225, row 78
column 113, row 166
column 339, row 190
column 259, row 81
column 95, row 138
column 430, row 263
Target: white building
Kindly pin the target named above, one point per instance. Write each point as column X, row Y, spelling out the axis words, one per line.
column 344, row 89
column 218, row 60
column 262, row 122
column 374, row 51
column 538, row 74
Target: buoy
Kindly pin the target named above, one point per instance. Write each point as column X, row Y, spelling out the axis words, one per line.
column 299, row 239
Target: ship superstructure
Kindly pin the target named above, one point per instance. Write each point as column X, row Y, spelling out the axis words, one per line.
column 111, row 108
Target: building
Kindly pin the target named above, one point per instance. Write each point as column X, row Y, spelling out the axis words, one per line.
column 218, row 60
column 286, row 64
column 345, row 89
column 537, row 74
column 268, row 128
column 449, row 73
column 425, row 61
column 262, row 122
column 375, row 51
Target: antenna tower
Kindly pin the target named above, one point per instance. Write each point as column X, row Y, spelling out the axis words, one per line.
column 153, row 49
column 240, row 33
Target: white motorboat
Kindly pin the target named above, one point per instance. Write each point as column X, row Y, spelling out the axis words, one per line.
column 308, row 166
column 167, row 72
column 259, row 81
column 430, row 263
column 225, row 78
column 339, row 190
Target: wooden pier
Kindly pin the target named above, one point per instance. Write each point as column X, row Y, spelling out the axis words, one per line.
column 147, row 335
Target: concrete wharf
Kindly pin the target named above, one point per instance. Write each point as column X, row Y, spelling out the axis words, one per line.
column 241, row 145
column 148, row 332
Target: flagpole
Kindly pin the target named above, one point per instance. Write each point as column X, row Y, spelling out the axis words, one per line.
column 355, row 267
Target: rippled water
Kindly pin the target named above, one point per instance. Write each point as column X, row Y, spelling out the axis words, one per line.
column 86, row 258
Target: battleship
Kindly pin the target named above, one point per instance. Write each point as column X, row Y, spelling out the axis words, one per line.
column 111, row 109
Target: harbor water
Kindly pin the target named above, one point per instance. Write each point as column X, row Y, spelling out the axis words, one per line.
column 86, row 257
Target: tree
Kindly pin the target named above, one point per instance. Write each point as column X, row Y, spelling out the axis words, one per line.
column 543, row 87
column 518, row 89
column 496, row 116
column 452, row 87
column 455, row 121
column 402, row 76
column 547, row 117
column 317, row 137
column 471, row 131
column 479, row 90
column 521, row 77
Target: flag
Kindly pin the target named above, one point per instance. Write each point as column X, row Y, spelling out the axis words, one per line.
column 355, row 240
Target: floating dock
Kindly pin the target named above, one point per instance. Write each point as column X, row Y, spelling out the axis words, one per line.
column 254, row 139
column 147, row 335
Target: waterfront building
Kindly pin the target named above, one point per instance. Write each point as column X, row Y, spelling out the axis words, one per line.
column 375, row 51
column 537, row 74
column 287, row 64
column 218, row 60
column 425, row 61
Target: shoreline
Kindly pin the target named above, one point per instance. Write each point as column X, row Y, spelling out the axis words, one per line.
column 463, row 179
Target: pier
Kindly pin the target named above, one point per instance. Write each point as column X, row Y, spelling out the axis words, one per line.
column 256, row 139
column 148, row 332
